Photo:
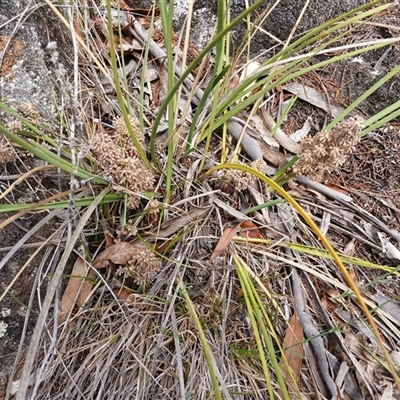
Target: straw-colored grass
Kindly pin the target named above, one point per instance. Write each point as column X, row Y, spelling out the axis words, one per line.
column 210, row 272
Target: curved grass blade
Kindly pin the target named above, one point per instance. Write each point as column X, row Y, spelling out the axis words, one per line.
column 330, row 249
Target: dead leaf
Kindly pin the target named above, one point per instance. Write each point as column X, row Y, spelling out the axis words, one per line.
column 328, row 304
column 124, row 294
column 151, row 74
column 334, row 294
column 388, row 392
column 301, row 133
column 250, row 230
column 223, row 242
column 318, row 99
column 353, row 275
column 395, row 355
column 119, row 253
column 230, row 210
column 124, row 6
column 338, row 188
column 164, row 246
column 389, row 305
column 109, row 239
column 389, row 251
column 260, row 131
column 293, row 356
column 175, row 224
column 77, row 290
column 121, row 19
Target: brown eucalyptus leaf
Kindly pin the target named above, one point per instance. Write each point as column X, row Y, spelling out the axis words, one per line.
column 293, row 352
column 119, row 253
column 224, row 241
column 250, row 230
column 124, row 294
column 124, row 6
column 77, row 290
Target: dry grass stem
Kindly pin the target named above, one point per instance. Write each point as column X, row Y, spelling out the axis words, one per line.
column 198, row 284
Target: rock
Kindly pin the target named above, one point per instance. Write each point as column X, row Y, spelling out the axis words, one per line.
column 28, row 71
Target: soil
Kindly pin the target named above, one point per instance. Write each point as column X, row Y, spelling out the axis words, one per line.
column 371, row 175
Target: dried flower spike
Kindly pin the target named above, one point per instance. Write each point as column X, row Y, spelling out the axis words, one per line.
column 238, row 179
column 119, row 160
column 144, row 266
column 6, row 151
column 327, row 151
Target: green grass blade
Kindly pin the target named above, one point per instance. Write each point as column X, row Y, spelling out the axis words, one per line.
column 284, row 114
column 219, row 61
column 364, row 96
column 293, row 70
column 254, row 315
column 201, row 105
column 46, row 155
column 204, row 343
column 390, row 113
column 83, row 202
column 166, row 19
column 352, row 285
column 285, row 77
column 220, row 36
column 121, row 100
column 143, row 74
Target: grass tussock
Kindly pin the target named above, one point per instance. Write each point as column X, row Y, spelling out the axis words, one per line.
column 211, row 270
